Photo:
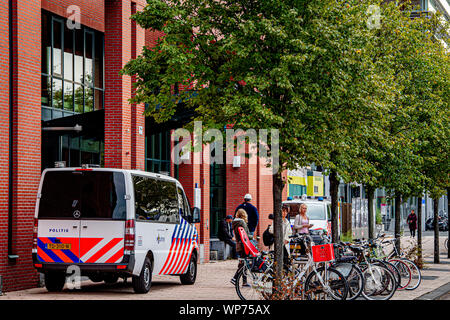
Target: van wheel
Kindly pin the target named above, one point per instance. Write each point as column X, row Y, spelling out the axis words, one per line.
column 191, row 273
column 54, row 281
column 143, row 282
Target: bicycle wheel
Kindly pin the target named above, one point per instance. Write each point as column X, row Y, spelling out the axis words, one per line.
column 405, row 272
column 393, row 269
column 416, row 276
column 326, row 284
column 354, row 277
column 380, row 283
column 446, row 244
column 253, row 285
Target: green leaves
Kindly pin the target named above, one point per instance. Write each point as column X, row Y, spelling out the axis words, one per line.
column 371, row 104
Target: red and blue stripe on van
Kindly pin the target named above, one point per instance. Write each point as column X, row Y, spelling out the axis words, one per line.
column 85, row 250
column 184, row 240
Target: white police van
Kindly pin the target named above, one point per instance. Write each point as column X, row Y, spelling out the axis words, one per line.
column 318, row 212
column 113, row 223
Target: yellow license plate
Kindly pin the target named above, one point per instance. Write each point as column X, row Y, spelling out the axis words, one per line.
column 58, row 246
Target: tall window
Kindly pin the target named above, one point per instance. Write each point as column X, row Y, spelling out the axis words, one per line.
column 157, row 152
column 72, row 69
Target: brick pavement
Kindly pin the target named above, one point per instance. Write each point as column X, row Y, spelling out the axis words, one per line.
column 213, row 284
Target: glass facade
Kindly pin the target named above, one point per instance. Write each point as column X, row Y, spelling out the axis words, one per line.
column 72, row 69
column 72, row 83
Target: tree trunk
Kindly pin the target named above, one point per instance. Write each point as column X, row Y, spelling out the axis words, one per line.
column 436, row 229
column 334, row 187
column 370, row 194
column 277, row 188
column 419, row 230
column 397, row 230
column 448, row 219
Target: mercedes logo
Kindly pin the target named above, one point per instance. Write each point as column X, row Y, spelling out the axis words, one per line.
column 76, row 214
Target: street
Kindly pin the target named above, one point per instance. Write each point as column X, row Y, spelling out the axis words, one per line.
column 213, row 283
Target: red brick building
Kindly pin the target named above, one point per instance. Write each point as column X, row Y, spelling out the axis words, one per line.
column 57, row 73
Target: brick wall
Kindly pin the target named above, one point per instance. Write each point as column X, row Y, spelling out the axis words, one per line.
column 91, row 11
column 117, row 86
column 4, row 134
column 137, row 110
column 26, row 165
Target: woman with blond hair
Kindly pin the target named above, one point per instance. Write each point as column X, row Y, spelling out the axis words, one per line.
column 301, row 221
column 240, row 220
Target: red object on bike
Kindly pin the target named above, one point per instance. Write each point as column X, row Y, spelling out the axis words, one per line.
column 323, row 252
column 249, row 248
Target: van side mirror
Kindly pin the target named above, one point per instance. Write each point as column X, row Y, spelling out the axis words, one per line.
column 195, row 215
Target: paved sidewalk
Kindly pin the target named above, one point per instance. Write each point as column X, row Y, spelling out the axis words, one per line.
column 213, row 284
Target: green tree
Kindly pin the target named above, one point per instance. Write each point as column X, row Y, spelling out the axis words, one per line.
column 298, row 66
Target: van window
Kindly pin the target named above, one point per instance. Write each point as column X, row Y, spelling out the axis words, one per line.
column 316, row 211
column 183, row 204
column 93, row 194
column 155, row 200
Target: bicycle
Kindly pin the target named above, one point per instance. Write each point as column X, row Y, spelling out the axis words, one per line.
column 254, row 279
column 347, row 265
column 397, row 257
column 317, row 279
column 379, row 281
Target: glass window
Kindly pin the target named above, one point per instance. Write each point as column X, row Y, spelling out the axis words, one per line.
column 72, row 61
column 88, row 62
column 45, row 91
column 88, row 100
column 99, row 195
column 46, row 45
column 68, row 96
column 57, row 93
column 79, row 53
column 98, row 76
column 316, row 212
column 57, row 47
column 155, row 200
column 68, row 53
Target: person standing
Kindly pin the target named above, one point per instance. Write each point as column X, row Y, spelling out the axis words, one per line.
column 225, row 234
column 301, row 221
column 412, row 222
column 252, row 214
column 287, row 232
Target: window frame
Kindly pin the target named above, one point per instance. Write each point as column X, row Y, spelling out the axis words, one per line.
column 178, row 219
column 51, row 76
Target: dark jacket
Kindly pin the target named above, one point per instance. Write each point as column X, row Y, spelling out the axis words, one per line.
column 412, row 221
column 252, row 214
column 237, row 222
column 225, row 231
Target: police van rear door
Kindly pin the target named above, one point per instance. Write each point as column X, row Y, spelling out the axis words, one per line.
column 103, row 217
column 58, row 235
column 81, row 216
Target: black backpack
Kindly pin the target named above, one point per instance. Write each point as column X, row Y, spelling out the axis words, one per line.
column 268, row 238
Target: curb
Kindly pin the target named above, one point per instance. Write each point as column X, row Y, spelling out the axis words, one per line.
column 436, row 294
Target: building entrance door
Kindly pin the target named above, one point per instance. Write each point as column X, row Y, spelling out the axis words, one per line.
column 218, row 195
